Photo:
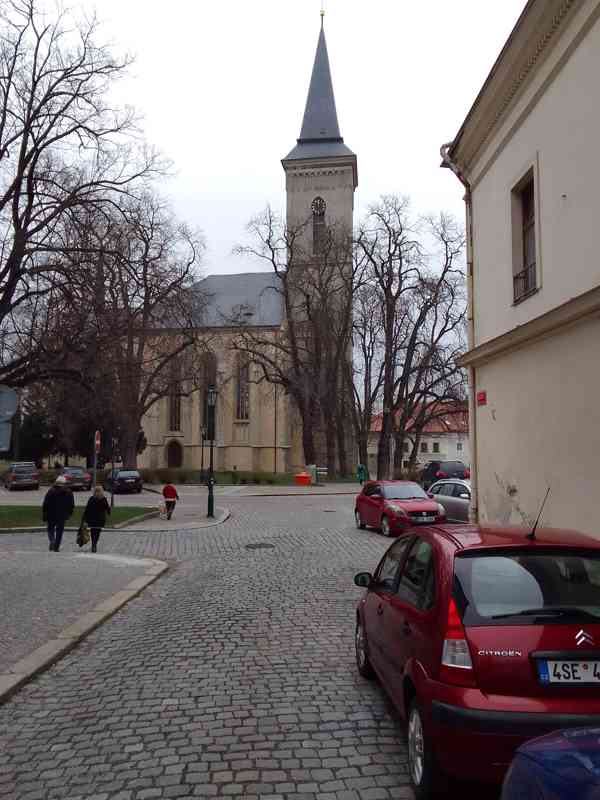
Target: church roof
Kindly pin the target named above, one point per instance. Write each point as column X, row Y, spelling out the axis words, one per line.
column 320, row 135
column 250, row 298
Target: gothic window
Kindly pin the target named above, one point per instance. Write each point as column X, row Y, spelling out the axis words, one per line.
column 243, row 388
column 209, row 378
column 319, row 229
column 175, row 396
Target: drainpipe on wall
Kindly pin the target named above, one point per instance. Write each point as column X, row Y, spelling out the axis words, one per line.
column 449, row 164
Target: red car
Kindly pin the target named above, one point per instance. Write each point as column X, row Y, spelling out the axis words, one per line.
column 393, row 506
column 484, row 638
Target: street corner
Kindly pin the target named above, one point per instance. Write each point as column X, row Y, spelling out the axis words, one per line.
column 91, row 590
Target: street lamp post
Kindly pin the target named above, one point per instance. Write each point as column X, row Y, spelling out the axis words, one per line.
column 203, row 435
column 211, row 401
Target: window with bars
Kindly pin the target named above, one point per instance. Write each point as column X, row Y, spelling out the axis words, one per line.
column 243, row 389
column 436, row 447
column 424, row 448
column 524, row 246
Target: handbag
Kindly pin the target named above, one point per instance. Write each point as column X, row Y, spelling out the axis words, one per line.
column 83, row 534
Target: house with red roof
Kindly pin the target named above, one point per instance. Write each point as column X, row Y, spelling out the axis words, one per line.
column 445, row 437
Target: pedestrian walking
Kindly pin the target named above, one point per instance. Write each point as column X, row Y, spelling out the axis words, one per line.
column 361, row 473
column 171, row 497
column 57, row 507
column 95, row 515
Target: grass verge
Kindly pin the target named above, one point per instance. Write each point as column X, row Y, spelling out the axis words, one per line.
column 31, row 516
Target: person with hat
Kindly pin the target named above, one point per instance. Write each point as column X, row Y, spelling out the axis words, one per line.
column 58, row 506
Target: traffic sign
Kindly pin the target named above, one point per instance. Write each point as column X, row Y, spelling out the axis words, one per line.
column 97, row 441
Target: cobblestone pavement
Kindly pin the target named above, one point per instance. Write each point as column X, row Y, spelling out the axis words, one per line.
column 42, row 592
column 231, row 676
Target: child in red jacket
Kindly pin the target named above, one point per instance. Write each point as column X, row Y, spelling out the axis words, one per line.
column 171, row 497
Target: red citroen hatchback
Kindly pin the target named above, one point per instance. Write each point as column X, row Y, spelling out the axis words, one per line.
column 394, row 506
column 483, row 638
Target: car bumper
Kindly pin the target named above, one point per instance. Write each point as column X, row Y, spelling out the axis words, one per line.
column 479, row 744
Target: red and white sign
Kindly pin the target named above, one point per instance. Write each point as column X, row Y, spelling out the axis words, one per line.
column 482, row 398
column 97, row 441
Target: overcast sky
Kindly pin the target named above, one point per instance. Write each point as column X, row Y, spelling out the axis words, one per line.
column 222, row 86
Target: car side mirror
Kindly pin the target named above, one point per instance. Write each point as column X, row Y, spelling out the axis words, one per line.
column 363, row 579
column 430, row 495
column 464, row 496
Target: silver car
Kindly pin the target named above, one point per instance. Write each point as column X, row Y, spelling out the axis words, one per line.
column 455, row 496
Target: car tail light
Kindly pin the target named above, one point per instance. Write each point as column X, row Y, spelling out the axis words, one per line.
column 467, row 473
column 87, row 476
column 457, row 667
column 440, row 474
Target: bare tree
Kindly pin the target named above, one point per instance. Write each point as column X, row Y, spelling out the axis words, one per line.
column 131, row 308
column 63, row 147
column 416, row 267
column 308, row 356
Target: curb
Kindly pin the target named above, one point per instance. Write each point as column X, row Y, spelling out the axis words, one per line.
column 45, row 656
column 225, row 514
column 301, row 494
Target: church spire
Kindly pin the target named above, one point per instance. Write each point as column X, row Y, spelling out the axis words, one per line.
column 320, row 121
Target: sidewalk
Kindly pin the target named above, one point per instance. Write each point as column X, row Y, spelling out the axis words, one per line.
column 255, row 490
column 52, row 600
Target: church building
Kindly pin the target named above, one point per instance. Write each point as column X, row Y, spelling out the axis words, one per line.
column 257, row 427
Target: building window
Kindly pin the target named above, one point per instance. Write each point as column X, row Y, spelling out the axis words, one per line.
column 243, row 388
column 436, row 447
column 175, row 396
column 209, row 378
column 424, row 448
column 318, row 220
column 524, row 251
column 458, row 447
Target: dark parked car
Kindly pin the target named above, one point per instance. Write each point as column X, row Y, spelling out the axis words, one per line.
column 436, row 470
column 483, row 639
column 455, row 496
column 393, row 506
column 77, row 477
column 23, row 474
column 124, row 480
column 559, row 766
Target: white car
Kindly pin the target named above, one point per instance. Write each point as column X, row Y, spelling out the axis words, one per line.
column 455, row 495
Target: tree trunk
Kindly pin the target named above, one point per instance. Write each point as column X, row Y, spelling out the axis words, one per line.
column 363, row 450
column 341, row 443
column 330, row 442
column 128, row 443
column 398, row 453
column 383, row 447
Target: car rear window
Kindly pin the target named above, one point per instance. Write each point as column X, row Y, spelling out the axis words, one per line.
column 74, row 470
column 128, row 474
column 520, row 587
column 403, row 491
column 452, row 465
column 23, row 468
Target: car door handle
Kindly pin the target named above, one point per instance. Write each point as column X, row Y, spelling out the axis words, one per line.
column 406, row 629
column 380, row 609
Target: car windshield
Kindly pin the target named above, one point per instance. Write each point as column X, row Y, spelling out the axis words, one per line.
column 23, row 468
column 525, row 587
column 129, row 473
column 452, row 465
column 74, row 470
column 403, row 491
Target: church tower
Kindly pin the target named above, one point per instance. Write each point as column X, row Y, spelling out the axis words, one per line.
column 321, row 171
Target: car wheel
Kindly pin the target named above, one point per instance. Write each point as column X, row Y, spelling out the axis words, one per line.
column 385, row 526
column 363, row 663
column 359, row 523
column 139, row 491
column 425, row 775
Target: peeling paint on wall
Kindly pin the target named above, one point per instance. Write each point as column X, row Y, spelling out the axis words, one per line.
column 503, row 507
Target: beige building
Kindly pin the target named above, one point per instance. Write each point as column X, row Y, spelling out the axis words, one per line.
column 527, row 154
column 257, row 427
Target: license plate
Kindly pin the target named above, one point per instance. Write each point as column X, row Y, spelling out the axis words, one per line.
column 570, row 672
column 424, row 519
column 130, row 480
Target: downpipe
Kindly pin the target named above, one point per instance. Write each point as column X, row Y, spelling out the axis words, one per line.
column 449, row 164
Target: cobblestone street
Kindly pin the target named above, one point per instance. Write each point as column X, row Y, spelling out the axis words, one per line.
column 232, row 675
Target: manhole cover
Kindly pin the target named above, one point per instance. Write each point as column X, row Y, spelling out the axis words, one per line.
column 259, row 546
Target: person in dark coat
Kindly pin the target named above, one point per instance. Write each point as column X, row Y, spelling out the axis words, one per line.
column 95, row 515
column 57, row 507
